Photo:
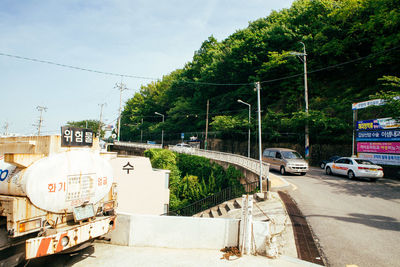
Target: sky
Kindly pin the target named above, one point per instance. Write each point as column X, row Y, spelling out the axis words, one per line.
column 141, row 38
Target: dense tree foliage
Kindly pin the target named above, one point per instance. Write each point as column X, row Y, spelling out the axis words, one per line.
column 192, row 178
column 353, row 52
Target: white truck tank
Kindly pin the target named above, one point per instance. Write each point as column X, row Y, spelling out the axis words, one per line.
column 59, row 181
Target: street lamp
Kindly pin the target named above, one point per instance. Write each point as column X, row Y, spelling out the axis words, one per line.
column 248, row 142
column 162, row 130
column 307, row 139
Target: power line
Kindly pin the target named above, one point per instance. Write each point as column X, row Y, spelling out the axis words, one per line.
column 194, row 82
column 76, row 68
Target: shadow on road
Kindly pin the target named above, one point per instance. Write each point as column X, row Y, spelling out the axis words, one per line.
column 61, row 260
column 376, row 221
column 383, row 188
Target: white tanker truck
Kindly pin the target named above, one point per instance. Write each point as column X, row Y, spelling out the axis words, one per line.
column 53, row 198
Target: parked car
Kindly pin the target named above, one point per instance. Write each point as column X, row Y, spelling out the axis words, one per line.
column 285, row 160
column 354, row 167
column 323, row 163
column 182, row 145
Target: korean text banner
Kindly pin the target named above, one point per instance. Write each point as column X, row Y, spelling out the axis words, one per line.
column 384, row 159
column 383, row 135
column 378, row 124
column 379, row 147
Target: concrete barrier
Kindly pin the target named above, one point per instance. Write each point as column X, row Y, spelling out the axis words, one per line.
column 174, row 232
column 183, row 232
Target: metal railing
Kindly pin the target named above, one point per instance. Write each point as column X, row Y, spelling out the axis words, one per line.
column 250, row 164
column 137, row 145
column 215, row 199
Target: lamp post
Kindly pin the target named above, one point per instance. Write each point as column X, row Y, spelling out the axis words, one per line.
column 307, row 138
column 162, row 130
column 248, row 142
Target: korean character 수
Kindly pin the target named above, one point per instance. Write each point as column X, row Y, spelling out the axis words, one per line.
column 68, row 135
column 78, row 136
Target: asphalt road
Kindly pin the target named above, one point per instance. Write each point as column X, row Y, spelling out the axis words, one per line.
column 354, row 221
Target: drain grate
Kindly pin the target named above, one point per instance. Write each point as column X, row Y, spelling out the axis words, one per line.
column 305, row 245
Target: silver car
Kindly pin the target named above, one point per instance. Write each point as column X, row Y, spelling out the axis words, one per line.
column 285, row 160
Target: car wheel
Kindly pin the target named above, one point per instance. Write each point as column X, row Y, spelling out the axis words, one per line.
column 351, row 175
column 322, row 165
column 373, row 179
column 303, row 173
column 328, row 171
column 283, row 171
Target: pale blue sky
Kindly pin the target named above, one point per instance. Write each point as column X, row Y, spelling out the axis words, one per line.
column 140, row 37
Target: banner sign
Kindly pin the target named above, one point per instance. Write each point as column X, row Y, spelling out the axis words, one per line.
column 374, row 102
column 73, row 136
column 365, row 104
column 385, row 135
column 377, row 124
column 384, row 159
column 379, row 147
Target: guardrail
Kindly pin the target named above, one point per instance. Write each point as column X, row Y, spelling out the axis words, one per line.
column 137, row 145
column 250, row 164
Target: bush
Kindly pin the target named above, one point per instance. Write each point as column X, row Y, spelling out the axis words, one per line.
column 192, row 177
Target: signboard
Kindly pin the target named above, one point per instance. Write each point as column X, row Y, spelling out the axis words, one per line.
column 379, row 147
column 369, row 103
column 383, row 135
column 377, row 124
column 384, row 159
column 72, row 136
column 182, row 135
column 365, row 104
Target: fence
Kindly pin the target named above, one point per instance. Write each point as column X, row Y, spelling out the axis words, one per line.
column 213, row 200
column 137, row 145
column 250, row 164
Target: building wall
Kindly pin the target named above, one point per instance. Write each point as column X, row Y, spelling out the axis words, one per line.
column 141, row 189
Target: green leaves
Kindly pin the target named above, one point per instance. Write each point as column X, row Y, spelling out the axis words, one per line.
column 192, row 177
column 363, row 33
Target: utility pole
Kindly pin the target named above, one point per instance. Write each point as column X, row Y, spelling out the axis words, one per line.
column 141, row 132
column 121, row 87
column 306, row 130
column 40, row 109
column 100, row 121
column 258, row 88
column 205, row 141
column 307, row 137
column 6, row 129
column 162, row 129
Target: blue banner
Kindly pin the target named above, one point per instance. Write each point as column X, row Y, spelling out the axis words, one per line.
column 377, row 124
column 385, row 135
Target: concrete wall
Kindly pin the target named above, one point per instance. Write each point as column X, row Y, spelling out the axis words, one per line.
column 184, row 232
column 141, row 189
column 174, row 232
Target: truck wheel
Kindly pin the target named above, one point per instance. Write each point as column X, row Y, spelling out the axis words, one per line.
column 283, row 171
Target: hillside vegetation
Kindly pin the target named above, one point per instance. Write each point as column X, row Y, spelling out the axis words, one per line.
column 353, row 54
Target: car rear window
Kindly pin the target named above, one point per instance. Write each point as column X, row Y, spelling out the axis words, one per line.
column 364, row 162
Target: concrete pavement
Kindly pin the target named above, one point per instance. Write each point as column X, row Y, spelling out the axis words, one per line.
column 113, row 255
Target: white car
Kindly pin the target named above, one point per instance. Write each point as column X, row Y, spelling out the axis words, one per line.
column 354, row 167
